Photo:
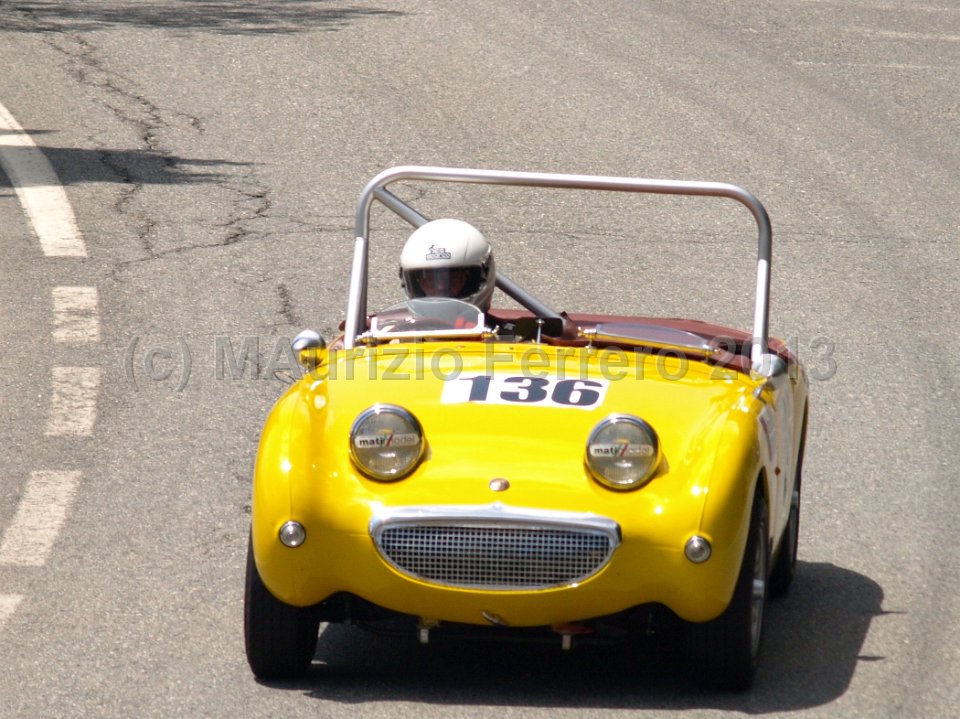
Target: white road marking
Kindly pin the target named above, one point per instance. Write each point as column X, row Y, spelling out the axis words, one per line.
column 8, row 605
column 39, row 190
column 75, row 319
column 73, row 408
column 42, row 511
column 48, row 495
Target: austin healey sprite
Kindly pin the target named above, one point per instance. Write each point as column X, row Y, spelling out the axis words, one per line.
column 462, row 468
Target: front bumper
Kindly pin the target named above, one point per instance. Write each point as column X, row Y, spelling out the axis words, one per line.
column 631, row 571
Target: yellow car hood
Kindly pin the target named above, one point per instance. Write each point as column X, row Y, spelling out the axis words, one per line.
column 528, row 423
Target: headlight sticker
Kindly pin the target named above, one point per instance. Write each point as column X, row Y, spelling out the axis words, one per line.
column 546, row 391
column 621, row 449
column 386, row 439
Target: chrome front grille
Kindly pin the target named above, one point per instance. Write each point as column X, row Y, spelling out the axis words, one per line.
column 495, row 548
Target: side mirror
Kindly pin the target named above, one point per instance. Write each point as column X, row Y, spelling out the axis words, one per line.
column 307, row 347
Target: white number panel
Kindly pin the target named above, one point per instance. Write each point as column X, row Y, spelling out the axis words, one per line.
column 525, row 390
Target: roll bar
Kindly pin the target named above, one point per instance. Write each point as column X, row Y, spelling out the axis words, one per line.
column 376, row 189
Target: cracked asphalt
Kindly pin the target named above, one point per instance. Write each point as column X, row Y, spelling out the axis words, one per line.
column 213, row 153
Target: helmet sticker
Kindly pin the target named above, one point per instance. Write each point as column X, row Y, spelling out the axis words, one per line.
column 437, row 253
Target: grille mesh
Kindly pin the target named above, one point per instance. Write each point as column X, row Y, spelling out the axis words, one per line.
column 494, row 557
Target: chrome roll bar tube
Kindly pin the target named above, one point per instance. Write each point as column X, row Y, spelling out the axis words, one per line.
column 376, row 189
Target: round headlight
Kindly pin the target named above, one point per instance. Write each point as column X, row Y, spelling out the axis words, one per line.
column 623, row 452
column 386, row 441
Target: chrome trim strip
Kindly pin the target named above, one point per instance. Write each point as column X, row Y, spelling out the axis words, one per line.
column 496, row 514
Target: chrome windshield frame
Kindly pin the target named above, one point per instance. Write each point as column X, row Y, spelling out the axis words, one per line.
column 376, row 190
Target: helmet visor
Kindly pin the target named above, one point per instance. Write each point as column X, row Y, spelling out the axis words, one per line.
column 456, row 282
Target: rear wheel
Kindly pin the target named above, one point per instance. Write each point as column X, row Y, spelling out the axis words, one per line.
column 280, row 638
column 723, row 652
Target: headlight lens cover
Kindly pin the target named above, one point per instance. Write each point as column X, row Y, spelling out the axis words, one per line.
column 623, row 452
column 386, row 442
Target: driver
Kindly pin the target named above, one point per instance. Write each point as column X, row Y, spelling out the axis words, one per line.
column 448, row 258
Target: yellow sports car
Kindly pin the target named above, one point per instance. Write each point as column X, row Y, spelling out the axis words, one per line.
column 464, row 468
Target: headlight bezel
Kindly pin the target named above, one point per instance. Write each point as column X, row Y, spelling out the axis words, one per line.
column 620, row 426
column 386, row 413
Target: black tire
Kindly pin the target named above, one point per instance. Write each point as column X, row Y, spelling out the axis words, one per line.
column 723, row 652
column 280, row 639
column 785, row 566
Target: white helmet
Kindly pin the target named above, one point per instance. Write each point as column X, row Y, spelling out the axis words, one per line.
column 448, row 258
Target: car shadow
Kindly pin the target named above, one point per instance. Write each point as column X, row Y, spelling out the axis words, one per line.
column 227, row 17
column 812, row 645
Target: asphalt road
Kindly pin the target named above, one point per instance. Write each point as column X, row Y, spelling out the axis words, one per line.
column 212, row 154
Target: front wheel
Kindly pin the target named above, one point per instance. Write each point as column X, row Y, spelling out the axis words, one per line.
column 785, row 566
column 781, row 577
column 723, row 652
column 280, row 638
